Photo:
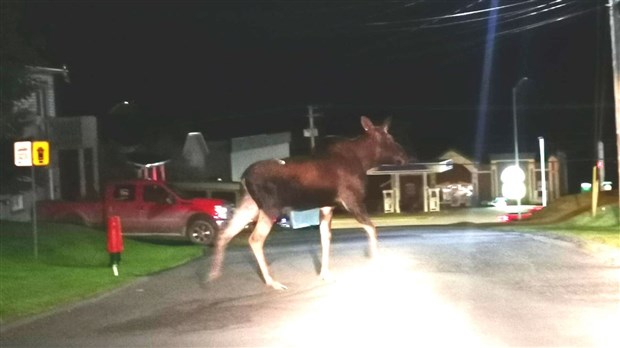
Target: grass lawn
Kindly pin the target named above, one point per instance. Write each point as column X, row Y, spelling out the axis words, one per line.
column 601, row 229
column 73, row 264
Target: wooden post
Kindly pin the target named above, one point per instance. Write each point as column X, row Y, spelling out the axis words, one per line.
column 594, row 190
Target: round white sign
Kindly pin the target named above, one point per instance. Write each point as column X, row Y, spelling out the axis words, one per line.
column 513, row 182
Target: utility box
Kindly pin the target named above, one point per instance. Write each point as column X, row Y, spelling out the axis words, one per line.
column 304, row 218
column 388, row 201
column 433, row 199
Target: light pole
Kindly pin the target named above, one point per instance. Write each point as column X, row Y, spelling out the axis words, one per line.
column 514, row 120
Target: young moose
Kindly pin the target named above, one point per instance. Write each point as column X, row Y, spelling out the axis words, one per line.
column 338, row 177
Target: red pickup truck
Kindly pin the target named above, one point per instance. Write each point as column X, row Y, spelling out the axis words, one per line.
column 145, row 207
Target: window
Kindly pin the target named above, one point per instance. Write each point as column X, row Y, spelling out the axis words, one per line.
column 155, row 194
column 41, row 102
column 17, row 203
column 124, row 193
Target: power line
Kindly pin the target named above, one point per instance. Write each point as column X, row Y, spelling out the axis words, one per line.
column 468, row 37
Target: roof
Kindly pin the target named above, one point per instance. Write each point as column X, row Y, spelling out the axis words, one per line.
column 412, row 168
column 459, row 156
column 146, row 160
column 261, row 140
column 506, row 157
column 50, row 71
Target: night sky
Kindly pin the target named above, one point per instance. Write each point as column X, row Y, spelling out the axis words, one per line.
column 232, row 68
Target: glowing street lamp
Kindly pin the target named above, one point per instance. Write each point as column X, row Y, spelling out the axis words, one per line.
column 122, row 108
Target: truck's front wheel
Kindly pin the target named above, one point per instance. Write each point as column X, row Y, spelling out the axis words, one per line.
column 201, row 231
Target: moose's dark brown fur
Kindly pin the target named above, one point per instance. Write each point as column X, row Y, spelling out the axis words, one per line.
column 337, row 177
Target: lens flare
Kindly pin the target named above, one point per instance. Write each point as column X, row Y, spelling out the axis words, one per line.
column 384, row 303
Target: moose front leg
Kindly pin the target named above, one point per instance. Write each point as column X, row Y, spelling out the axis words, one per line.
column 325, row 227
column 247, row 212
column 257, row 243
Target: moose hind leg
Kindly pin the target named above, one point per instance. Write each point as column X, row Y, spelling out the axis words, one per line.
column 245, row 213
column 257, row 243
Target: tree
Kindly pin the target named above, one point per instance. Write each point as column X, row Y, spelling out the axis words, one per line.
column 16, row 53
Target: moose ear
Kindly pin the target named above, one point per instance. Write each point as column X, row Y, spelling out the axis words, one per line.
column 367, row 123
column 387, row 123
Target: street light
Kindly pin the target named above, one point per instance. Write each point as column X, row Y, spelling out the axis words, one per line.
column 514, row 119
column 121, row 107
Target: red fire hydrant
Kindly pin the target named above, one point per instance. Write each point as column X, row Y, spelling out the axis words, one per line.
column 115, row 242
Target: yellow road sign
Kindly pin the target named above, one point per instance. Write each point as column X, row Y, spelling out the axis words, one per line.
column 40, row 153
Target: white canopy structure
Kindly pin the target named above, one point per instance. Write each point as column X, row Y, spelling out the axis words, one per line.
column 418, row 168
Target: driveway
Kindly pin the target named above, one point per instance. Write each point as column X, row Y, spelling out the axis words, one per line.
column 430, row 286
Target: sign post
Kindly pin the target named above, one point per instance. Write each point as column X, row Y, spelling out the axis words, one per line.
column 35, row 233
column 31, row 154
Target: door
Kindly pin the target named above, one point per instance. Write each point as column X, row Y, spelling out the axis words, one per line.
column 124, row 204
column 160, row 212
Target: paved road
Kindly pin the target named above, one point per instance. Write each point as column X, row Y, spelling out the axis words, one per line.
column 478, row 215
column 430, row 286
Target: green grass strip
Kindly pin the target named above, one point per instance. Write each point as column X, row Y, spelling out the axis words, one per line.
column 602, row 228
column 73, row 264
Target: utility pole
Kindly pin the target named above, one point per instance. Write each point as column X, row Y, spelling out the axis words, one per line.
column 311, row 132
column 515, row 89
column 614, row 28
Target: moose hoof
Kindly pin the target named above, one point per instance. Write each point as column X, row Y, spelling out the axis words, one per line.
column 214, row 275
column 326, row 276
column 373, row 252
column 277, row 285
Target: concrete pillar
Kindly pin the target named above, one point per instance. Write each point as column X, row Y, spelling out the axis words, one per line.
column 474, row 182
column 82, row 171
column 395, row 186
column 425, row 190
column 95, row 165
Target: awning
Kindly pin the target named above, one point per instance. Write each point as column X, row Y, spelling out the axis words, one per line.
column 412, row 168
column 418, row 168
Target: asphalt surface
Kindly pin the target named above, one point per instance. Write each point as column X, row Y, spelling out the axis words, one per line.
column 475, row 215
column 429, row 287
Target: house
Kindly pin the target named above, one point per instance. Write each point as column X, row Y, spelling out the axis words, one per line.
column 224, row 164
column 73, row 140
column 40, row 110
column 484, row 180
column 555, row 171
column 247, row 150
column 466, row 176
